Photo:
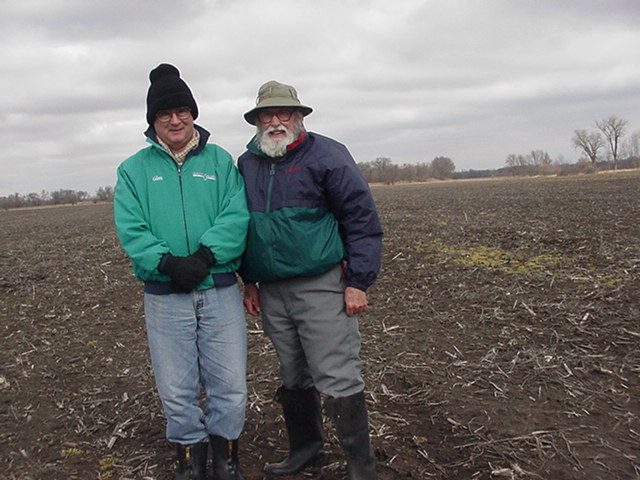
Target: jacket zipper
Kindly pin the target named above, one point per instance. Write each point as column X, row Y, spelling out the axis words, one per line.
column 184, row 212
column 272, row 173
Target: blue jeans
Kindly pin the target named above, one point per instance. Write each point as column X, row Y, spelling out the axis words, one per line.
column 199, row 340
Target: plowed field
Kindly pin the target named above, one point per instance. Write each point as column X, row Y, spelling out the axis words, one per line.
column 502, row 341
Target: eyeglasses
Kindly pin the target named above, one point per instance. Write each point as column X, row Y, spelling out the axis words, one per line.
column 284, row 115
column 165, row 115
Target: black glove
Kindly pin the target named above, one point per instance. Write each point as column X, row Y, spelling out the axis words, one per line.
column 186, row 272
column 205, row 255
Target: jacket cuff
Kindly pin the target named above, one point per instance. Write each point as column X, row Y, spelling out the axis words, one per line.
column 355, row 284
column 163, row 262
column 206, row 255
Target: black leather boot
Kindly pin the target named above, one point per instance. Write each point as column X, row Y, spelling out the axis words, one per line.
column 225, row 458
column 303, row 418
column 349, row 415
column 192, row 461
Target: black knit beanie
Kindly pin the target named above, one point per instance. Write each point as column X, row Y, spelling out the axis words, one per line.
column 168, row 91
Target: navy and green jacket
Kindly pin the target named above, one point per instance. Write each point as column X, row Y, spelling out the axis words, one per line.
column 309, row 211
column 161, row 208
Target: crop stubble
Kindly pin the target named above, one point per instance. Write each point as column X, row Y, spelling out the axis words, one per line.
column 502, row 340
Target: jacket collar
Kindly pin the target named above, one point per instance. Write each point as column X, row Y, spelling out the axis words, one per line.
column 152, row 138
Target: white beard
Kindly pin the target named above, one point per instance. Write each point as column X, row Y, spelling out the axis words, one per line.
column 277, row 147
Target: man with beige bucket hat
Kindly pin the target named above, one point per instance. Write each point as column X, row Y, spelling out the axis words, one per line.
column 313, row 249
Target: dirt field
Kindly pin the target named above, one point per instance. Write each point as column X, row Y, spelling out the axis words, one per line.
column 502, row 341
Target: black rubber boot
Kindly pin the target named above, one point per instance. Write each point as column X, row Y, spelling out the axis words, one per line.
column 349, row 415
column 192, row 461
column 303, row 417
column 225, row 458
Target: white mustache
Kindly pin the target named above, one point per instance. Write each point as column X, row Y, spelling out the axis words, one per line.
column 276, row 130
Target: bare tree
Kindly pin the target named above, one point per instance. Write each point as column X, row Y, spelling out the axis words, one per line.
column 540, row 158
column 632, row 145
column 367, row 171
column 423, row 171
column 104, row 194
column 442, row 167
column 64, row 196
column 613, row 129
column 632, row 149
column 588, row 143
column 517, row 160
column 386, row 171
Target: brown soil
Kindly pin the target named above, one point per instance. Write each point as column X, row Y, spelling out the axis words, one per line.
column 502, row 341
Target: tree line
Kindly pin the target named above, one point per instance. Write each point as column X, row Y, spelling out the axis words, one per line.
column 603, row 148
column 383, row 170
column 59, row 197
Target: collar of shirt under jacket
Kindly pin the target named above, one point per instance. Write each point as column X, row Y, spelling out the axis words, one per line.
column 180, row 156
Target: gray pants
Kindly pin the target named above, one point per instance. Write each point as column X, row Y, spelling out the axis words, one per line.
column 316, row 342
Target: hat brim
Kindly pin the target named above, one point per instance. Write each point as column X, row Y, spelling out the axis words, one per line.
column 251, row 115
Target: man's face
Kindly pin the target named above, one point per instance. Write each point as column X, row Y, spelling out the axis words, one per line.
column 277, row 128
column 174, row 127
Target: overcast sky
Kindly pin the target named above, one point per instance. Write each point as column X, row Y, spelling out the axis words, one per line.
column 409, row 80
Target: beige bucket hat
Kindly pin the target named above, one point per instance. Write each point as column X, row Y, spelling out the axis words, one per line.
column 276, row 94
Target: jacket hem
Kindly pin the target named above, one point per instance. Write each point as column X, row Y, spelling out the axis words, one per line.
column 166, row 288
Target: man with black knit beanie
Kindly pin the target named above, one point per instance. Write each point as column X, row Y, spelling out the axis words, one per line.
column 181, row 215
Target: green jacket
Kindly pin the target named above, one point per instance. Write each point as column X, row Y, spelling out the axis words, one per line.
column 162, row 208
